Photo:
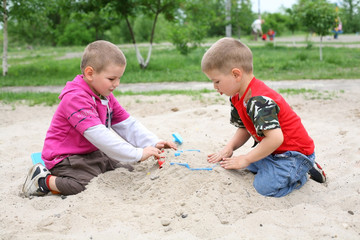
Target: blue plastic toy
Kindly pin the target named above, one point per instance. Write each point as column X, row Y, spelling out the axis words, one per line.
column 193, row 169
column 36, row 158
column 177, row 138
column 177, row 153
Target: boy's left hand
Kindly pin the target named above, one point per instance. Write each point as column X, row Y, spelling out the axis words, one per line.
column 165, row 144
column 238, row 162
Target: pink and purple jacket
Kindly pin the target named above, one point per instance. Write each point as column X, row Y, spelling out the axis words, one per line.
column 78, row 110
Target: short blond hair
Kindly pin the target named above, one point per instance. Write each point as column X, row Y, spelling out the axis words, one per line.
column 226, row 54
column 101, row 53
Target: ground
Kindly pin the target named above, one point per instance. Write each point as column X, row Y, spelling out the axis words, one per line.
column 177, row 203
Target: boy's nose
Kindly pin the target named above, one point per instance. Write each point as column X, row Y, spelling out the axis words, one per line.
column 116, row 83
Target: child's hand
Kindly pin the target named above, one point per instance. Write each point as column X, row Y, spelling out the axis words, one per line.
column 164, row 144
column 216, row 157
column 150, row 151
column 238, row 162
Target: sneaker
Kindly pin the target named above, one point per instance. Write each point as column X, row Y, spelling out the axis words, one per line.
column 317, row 173
column 31, row 186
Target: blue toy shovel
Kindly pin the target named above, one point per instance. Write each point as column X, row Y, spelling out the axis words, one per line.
column 187, row 166
column 36, row 158
column 177, row 153
column 177, row 138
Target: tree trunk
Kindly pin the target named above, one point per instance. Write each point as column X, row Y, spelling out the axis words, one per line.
column 151, row 40
column 138, row 54
column 143, row 64
column 321, row 58
column 228, row 18
column 5, row 34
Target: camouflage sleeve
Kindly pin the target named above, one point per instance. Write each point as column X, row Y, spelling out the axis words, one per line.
column 235, row 118
column 264, row 113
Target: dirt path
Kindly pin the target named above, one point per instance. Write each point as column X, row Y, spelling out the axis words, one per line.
column 323, row 85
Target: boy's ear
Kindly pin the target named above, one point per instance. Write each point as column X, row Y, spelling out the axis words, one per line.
column 89, row 72
column 237, row 73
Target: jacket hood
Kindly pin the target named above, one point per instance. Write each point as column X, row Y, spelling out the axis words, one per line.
column 76, row 85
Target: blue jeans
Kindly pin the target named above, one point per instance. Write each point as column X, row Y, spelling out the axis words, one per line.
column 279, row 174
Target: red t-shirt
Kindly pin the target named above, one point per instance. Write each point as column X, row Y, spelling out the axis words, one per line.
column 296, row 137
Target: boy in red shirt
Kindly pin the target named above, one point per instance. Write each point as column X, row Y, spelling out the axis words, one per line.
column 284, row 154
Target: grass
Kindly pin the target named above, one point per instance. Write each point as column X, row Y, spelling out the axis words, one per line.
column 44, row 66
column 50, row 99
column 47, row 66
column 160, row 92
column 301, row 63
column 324, row 44
column 30, row 98
column 311, row 94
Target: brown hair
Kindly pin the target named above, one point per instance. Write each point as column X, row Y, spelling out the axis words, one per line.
column 226, row 54
column 101, row 53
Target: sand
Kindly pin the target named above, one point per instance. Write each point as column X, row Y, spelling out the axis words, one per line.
column 177, row 203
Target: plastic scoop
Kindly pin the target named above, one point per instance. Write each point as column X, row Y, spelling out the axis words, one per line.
column 36, row 158
column 177, row 153
column 177, row 138
column 193, row 169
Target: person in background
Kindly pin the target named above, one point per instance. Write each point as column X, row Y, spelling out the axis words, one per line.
column 256, row 28
column 338, row 29
column 271, row 34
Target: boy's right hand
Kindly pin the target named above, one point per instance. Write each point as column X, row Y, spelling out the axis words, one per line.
column 216, row 157
column 150, row 151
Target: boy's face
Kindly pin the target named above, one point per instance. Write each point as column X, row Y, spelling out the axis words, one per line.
column 228, row 84
column 107, row 80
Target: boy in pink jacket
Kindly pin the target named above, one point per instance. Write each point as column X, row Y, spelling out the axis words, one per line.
column 79, row 143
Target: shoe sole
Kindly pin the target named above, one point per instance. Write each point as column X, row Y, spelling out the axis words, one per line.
column 31, row 177
column 317, row 173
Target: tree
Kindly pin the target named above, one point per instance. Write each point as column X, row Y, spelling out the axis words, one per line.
column 350, row 10
column 92, row 14
column 242, row 17
column 153, row 8
column 30, row 21
column 228, row 18
column 5, row 45
column 318, row 16
column 191, row 25
column 275, row 21
column 16, row 10
column 291, row 22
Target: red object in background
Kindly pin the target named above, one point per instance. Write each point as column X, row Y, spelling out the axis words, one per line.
column 271, row 34
column 264, row 37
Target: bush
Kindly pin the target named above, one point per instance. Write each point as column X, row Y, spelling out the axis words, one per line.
column 76, row 34
column 186, row 37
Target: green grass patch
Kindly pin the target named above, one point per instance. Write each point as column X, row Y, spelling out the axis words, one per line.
column 285, row 63
column 161, row 92
column 30, row 98
column 50, row 99
column 316, row 43
column 48, row 66
column 311, row 94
